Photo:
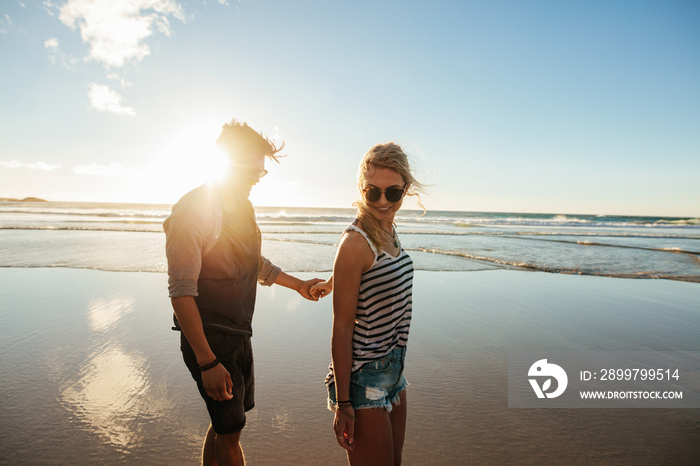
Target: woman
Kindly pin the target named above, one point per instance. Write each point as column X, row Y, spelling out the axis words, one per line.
column 372, row 282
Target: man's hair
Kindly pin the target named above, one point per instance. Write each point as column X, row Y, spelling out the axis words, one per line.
column 241, row 141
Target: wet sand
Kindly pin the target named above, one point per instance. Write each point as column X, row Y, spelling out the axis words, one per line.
column 92, row 372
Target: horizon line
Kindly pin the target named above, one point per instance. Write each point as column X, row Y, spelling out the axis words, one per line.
column 32, row 199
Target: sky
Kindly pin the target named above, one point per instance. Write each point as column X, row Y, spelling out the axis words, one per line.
column 588, row 107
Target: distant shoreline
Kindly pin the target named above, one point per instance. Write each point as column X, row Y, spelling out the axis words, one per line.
column 26, row 199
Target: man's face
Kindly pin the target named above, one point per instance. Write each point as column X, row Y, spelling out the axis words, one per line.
column 246, row 174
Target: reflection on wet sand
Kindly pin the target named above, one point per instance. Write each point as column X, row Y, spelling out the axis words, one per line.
column 92, row 373
column 112, row 390
column 103, row 313
column 107, row 394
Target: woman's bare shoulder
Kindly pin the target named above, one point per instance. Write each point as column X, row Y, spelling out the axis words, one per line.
column 355, row 250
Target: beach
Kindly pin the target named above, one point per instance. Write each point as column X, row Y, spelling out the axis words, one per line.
column 537, row 161
column 92, row 371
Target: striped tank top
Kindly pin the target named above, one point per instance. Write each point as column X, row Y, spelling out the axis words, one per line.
column 383, row 308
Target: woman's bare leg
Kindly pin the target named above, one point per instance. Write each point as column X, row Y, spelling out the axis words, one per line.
column 398, row 426
column 374, row 444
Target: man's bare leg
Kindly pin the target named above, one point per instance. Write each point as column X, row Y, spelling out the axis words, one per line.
column 228, row 450
column 209, row 448
column 222, row 450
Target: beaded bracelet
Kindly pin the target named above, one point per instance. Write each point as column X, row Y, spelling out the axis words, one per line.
column 345, row 402
column 211, row 365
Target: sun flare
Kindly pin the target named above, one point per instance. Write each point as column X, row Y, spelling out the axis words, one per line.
column 189, row 157
column 186, row 160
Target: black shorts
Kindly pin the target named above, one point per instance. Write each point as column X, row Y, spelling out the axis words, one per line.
column 236, row 355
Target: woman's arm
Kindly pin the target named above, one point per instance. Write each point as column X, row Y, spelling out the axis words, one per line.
column 354, row 257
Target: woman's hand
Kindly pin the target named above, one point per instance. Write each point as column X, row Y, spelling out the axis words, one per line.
column 321, row 289
column 305, row 287
column 300, row 286
column 344, row 427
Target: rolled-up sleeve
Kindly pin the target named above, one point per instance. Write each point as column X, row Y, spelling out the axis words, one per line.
column 267, row 272
column 186, row 231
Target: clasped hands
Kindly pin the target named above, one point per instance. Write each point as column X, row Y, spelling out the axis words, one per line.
column 322, row 288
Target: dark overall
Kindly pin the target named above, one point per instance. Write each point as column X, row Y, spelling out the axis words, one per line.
column 229, row 276
column 227, row 286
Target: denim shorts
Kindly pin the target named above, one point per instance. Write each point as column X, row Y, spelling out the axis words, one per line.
column 236, row 355
column 377, row 383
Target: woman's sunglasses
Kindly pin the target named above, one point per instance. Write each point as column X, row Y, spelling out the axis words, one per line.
column 393, row 194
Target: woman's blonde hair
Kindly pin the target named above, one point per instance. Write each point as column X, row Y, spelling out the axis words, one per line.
column 391, row 156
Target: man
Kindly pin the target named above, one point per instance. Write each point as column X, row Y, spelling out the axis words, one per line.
column 214, row 265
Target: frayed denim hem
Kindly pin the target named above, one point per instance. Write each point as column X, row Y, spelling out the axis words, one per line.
column 387, row 404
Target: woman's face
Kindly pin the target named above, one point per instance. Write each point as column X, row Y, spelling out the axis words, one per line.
column 383, row 178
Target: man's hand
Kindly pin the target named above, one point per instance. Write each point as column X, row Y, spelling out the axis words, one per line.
column 322, row 289
column 217, row 383
column 304, row 288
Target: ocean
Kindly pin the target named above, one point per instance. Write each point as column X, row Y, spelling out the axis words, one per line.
column 129, row 237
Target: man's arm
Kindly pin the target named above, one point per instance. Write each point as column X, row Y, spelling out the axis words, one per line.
column 302, row 287
column 269, row 274
column 217, row 380
column 188, row 230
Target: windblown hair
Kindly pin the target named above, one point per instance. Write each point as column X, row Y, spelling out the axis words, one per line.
column 391, row 156
column 241, row 141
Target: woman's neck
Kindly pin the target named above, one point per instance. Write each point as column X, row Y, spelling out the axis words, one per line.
column 387, row 225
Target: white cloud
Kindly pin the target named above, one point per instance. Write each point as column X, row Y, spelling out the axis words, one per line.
column 14, row 164
column 5, row 23
column 104, row 98
column 50, row 7
column 56, row 55
column 113, row 169
column 51, row 44
column 115, row 30
column 122, row 79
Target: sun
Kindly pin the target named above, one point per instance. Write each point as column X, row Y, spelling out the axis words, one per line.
column 187, row 159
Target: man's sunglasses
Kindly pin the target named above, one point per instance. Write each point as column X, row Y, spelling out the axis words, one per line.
column 253, row 172
column 393, row 194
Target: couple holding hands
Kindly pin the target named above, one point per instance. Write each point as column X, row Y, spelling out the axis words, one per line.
column 214, row 266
